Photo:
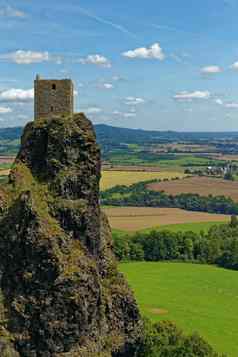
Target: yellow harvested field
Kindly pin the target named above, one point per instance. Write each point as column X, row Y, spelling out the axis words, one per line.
column 137, row 218
column 4, row 172
column 127, row 178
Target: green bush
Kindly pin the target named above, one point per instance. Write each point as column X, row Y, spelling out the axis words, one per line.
column 165, row 339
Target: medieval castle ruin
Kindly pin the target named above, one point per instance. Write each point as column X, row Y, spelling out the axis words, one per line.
column 53, row 96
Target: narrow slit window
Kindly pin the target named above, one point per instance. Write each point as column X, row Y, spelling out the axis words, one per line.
column 54, row 86
column 51, row 108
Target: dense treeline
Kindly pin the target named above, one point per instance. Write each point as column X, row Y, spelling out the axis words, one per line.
column 165, row 339
column 218, row 246
column 139, row 195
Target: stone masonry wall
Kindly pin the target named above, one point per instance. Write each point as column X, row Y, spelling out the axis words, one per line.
column 53, row 97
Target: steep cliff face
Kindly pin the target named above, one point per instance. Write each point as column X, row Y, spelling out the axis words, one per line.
column 61, row 292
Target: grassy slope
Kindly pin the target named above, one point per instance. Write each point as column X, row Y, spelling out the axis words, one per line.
column 198, row 297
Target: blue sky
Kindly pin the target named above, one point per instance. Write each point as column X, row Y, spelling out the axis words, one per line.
column 164, row 65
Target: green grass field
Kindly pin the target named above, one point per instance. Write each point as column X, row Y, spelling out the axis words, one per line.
column 197, row 297
column 196, row 227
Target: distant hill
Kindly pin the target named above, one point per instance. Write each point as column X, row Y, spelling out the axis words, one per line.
column 114, row 135
column 10, row 133
column 107, row 134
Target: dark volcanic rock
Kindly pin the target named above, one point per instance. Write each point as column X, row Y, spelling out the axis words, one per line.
column 61, row 292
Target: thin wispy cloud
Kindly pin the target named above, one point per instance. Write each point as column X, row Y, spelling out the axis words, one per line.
column 103, row 21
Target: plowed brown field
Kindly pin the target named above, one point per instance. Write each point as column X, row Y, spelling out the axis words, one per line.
column 137, row 218
column 204, row 186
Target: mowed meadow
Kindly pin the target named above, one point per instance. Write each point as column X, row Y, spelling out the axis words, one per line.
column 172, row 291
column 113, row 178
column 133, row 219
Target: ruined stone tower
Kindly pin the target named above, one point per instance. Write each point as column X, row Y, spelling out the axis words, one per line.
column 53, row 96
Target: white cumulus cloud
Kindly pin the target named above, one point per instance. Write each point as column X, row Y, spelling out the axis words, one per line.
column 187, row 96
column 134, row 101
column 9, row 11
column 25, row 57
column 96, row 60
column 5, row 110
column 107, row 86
column 219, row 101
column 211, row 70
column 152, row 52
column 17, row 95
column 235, row 66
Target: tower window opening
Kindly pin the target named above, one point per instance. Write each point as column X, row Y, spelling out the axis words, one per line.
column 54, row 86
column 51, row 108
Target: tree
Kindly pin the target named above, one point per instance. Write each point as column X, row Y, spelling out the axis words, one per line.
column 234, row 221
column 136, row 251
column 165, row 339
column 228, row 176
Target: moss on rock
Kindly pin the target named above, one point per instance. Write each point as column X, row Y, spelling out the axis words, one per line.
column 61, row 290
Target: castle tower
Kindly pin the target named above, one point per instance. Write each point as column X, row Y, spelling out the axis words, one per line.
column 53, row 96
